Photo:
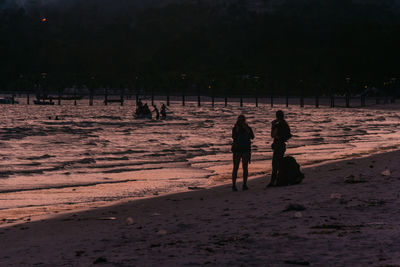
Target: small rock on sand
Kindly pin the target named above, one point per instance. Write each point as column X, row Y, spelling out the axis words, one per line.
column 296, row 207
column 298, row 214
column 162, row 232
column 129, row 221
column 100, row 260
column 336, row 196
column 297, row 262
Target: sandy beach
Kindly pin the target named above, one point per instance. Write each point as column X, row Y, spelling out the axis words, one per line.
column 344, row 214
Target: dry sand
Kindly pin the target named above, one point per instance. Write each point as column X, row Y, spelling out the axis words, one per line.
column 351, row 218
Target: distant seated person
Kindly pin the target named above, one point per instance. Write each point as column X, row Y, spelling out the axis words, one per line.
column 146, row 111
column 139, row 111
column 139, row 108
column 143, row 111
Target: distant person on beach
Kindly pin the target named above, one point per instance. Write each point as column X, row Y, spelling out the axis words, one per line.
column 146, row 109
column 143, row 111
column 157, row 112
column 280, row 132
column 139, row 108
column 163, row 112
column 241, row 148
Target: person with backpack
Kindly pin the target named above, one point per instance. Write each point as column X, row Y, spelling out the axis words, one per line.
column 241, row 148
column 280, row 132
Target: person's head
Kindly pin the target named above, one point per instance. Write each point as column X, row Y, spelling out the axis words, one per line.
column 280, row 115
column 241, row 120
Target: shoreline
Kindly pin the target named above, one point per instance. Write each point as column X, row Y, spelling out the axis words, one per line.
column 53, row 211
column 103, row 155
column 350, row 217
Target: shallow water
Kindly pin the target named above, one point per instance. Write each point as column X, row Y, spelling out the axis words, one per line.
column 100, row 154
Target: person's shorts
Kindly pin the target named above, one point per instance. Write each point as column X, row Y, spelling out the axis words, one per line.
column 241, row 154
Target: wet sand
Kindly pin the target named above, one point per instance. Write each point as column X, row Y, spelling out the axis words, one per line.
column 344, row 214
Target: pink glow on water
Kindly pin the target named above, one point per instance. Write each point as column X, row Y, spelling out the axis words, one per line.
column 100, row 154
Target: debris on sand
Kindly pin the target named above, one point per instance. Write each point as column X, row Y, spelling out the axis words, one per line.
column 107, row 218
column 351, row 179
column 100, row 260
column 129, row 221
column 295, row 207
column 79, row 253
column 195, row 188
column 298, row 214
column 297, row 262
column 162, row 232
column 386, row 172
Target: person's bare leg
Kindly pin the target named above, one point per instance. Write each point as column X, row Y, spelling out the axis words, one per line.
column 245, row 165
column 236, row 162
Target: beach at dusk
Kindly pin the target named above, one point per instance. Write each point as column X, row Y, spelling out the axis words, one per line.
column 199, row 133
column 97, row 156
column 345, row 206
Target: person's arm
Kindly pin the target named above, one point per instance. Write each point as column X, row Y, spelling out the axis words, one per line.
column 251, row 133
column 234, row 134
column 290, row 135
column 274, row 129
column 289, row 128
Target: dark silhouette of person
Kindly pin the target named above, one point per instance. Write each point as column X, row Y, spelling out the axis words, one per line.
column 163, row 112
column 157, row 112
column 280, row 131
column 139, row 109
column 146, row 110
column 241, row 148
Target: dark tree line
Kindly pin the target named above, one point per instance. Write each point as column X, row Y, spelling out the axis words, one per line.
column 300, row 48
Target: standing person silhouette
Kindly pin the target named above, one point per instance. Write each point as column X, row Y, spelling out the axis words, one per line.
column 157, row 112
column 241, row 148
column 163, row 111
column 280, row 131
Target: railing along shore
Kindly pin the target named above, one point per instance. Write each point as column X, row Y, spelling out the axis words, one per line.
column 121, row 98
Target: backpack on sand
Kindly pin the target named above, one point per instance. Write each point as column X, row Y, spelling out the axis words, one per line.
column 289, row 172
